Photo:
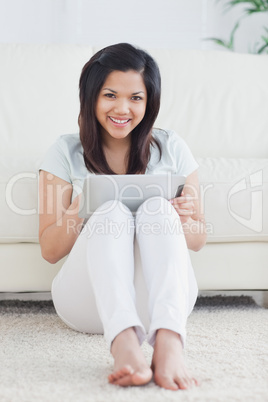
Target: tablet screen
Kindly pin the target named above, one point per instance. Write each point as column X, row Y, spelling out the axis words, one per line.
column 131, row 190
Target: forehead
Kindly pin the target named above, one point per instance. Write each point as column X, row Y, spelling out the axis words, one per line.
column 128, row 80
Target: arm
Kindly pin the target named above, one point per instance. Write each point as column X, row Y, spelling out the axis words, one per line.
column 190, row 209
column 59, row 224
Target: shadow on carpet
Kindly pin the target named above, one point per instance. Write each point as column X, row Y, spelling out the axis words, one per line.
column 47, row 307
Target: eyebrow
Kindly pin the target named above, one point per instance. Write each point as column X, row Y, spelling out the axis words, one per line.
column 134, row 93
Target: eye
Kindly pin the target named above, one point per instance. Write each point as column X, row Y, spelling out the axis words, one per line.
column 136, row 98
column 110, row 95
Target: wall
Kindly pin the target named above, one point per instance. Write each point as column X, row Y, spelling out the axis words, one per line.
column 147, row 23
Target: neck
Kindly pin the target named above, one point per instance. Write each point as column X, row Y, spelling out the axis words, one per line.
column 116, row 145
column 116, row 152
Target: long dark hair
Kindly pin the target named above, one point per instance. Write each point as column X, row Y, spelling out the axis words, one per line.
column 120, row 57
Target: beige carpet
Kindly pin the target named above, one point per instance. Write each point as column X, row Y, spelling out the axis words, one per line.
column 43, row 360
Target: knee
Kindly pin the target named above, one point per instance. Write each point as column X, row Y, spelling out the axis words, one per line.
column 113, row 209
column 155, row 206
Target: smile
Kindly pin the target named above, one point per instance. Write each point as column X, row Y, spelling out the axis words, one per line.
column 117, row 121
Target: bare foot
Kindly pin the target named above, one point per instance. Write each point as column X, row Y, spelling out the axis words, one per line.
column 168, row 364
column 130, row 366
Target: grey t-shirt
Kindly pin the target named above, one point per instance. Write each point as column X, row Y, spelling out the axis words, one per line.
column 65, row 159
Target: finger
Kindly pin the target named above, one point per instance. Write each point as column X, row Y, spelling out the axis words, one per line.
column 184, row 205
column 185, row 212
column 182, row 201
column 182, row 211
column 186, row 198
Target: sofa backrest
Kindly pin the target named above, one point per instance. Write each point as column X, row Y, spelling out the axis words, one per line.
column 39, row 94
column 217, row 101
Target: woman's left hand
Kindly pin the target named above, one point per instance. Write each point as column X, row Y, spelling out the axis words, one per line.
column 190, row 207
column 185, row 206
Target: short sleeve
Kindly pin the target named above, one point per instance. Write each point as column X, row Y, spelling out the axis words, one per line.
column 55, row 162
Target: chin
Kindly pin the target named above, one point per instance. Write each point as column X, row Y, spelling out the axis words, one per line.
column 120, row 137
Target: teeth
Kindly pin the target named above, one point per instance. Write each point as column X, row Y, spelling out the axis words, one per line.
column 119, row 121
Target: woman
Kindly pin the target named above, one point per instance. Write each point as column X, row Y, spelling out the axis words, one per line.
column 120, row 99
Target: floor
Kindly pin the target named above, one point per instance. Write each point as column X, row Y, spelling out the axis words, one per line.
column 44, row 360
column 26, row 296
column 260, row 297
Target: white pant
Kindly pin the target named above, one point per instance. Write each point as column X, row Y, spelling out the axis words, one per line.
column 96, row 283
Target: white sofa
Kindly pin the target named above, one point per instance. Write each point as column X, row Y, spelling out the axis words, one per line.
column 216, row 101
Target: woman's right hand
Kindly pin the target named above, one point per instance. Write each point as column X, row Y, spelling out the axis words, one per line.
column 59, row 223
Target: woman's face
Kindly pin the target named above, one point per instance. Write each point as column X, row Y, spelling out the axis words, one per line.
column 121, row 104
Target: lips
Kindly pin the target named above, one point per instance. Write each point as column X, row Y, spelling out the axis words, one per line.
column 119, row 122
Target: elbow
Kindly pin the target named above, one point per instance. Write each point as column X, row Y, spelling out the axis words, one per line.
column 49, row 255
column 198, row 247
column 199, row 243
column 50, row 258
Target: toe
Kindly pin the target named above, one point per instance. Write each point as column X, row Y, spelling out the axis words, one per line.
column 117, row 375
column 112, row 377
column 124, row 381
column 183, row 383
column 137, row 378
column 166, row 382
column 186, row 382
column 126, row 370
column 196, row 382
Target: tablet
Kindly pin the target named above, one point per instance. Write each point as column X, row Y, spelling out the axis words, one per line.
column 131, row 190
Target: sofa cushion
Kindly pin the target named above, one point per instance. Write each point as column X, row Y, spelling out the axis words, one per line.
column 235, row 197
column 234, row 191
column 19, row 198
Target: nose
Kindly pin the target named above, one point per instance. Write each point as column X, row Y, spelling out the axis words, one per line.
column 121, row 107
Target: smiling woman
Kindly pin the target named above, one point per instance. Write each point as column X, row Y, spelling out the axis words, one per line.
column 120, row 99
